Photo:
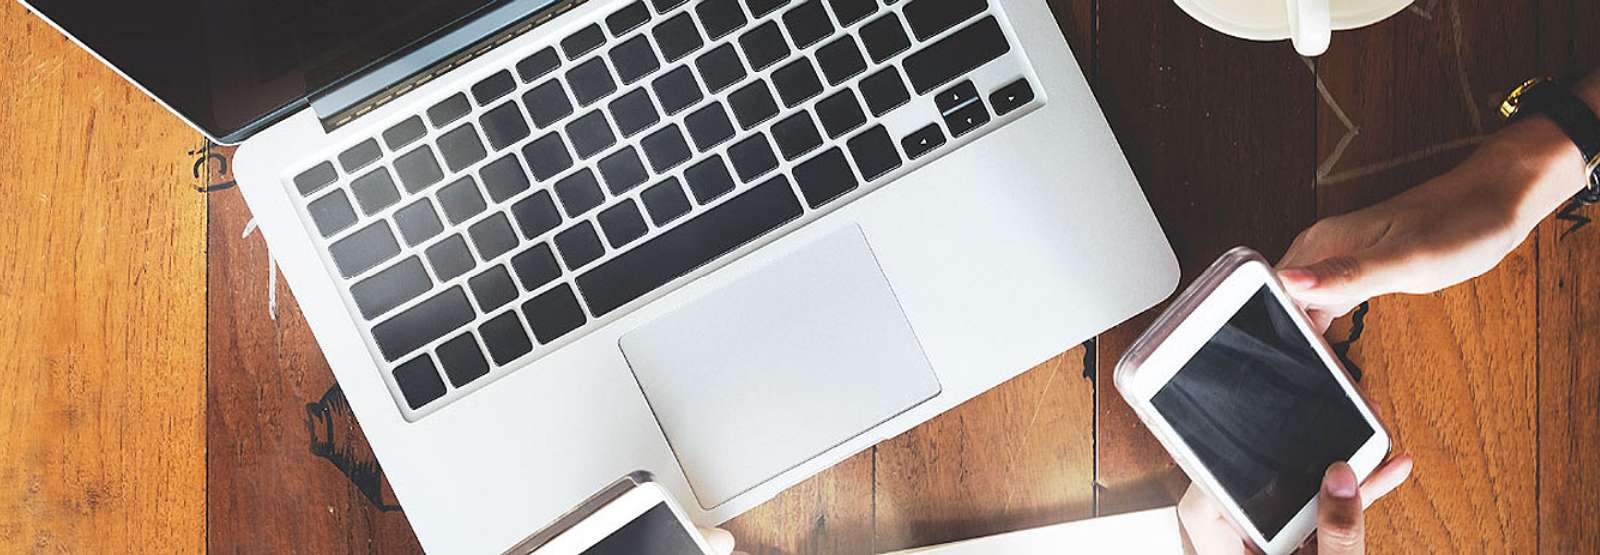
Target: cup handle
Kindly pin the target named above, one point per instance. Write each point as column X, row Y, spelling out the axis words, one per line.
column 1310, row 26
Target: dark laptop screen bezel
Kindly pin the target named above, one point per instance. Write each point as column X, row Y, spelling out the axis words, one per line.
column 209, row 62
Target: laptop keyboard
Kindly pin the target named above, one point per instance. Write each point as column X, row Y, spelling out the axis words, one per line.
column 506, row 219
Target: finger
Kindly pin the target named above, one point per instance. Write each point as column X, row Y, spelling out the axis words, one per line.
column 1204, row 526
column 1321, row 320
column 1386, row 478
column 720, row 540
column 1345, row 280
column 1339, row 525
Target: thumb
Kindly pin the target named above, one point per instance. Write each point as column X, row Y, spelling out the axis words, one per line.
column 1340, row 530
column 1345, row 280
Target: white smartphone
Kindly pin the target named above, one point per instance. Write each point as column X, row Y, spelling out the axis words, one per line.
column 632, row 516
column 1250, row 401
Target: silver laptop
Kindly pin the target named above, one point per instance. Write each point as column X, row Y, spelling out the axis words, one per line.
column 547, row 243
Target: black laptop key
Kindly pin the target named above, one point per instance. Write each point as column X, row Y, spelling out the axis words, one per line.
column 709, row 126
column 761, row 8
column 418, row 169
column 536, row 215
column 665, row 201
column 956, row 55
column 448, row 110
column 720, row 17
column 665, row 149
column 422, row 324
column 841, row 59
column 583, row 42
column 797, row 82
column 504, row 178
column 840, row 113
column 663, row 6
column 493, row 236
column 357, row 157
column 1011, row 97
column 634, row 59
column 851, row 11
column 404, row 133
column 966, row 118
column 753, row 104
column 391, row 287
column 622, row 171
column 538, row 65
column 505, row 338
column 579, row 193
column 956, row 96
column 752, row 157
column 796, row 135
column 708, row 179
column 554, row 314
column 692, row 244
column 622, row 223
column 547, row 156
column 931, row 17
column 462, row 360
column 461, row 200
column 375, row 191
column 319, row 176
column 536, row 266
column 764, row 45
column 825, row 177
column 874, row 153
column 418, row 222
column 579, row 245
column 504, row 125
column 590, row 134
column 591, row 81
column 678, row 37
column 492, row 288
column 332, row 213
column 677, row 90
column 923, row 141
column 634, row 112
column 720, row 68
column 364, row 249
column 461, row 148
column 627, row 19
column 884, row 37
column 884, row 91
column 547, row 103
column 808, row 23
column 419, row 382
column 493, row 87
column 450, row 258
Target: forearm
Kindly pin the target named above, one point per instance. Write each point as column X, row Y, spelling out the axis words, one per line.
column 1531, row 166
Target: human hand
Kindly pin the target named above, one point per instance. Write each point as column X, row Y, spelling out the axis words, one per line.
column 720, row 540
column 1340, row 529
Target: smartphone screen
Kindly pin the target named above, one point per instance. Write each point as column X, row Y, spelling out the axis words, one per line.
column 1263, row 413
column 655, row 531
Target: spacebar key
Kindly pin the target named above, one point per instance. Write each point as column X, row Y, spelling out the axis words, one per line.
column 957, row 55
column 693, row 244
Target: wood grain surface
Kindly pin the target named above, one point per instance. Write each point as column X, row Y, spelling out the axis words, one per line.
column 102, row 307
column 125, row 424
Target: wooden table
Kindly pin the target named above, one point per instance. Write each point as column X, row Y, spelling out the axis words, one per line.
column 162, row 392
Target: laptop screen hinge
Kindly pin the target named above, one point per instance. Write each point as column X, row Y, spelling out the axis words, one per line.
column 351, row 98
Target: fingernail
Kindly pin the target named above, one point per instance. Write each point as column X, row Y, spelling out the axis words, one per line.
column 1298, row 277
column 1340, row 481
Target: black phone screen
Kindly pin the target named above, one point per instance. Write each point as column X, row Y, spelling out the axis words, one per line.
column 657, row 532
column 1263, row 413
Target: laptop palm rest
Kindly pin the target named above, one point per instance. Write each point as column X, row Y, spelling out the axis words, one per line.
column 785, row 363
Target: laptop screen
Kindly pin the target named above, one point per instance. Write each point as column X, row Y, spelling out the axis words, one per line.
column 223, row 65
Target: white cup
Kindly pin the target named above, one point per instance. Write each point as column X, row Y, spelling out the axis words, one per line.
column 1309, row 23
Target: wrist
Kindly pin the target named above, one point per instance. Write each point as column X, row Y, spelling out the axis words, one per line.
column 1533, row 165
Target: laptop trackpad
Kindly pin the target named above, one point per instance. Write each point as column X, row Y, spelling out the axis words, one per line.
column 772, row 370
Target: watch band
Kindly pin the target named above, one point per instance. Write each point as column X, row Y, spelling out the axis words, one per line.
column 1573, row 116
